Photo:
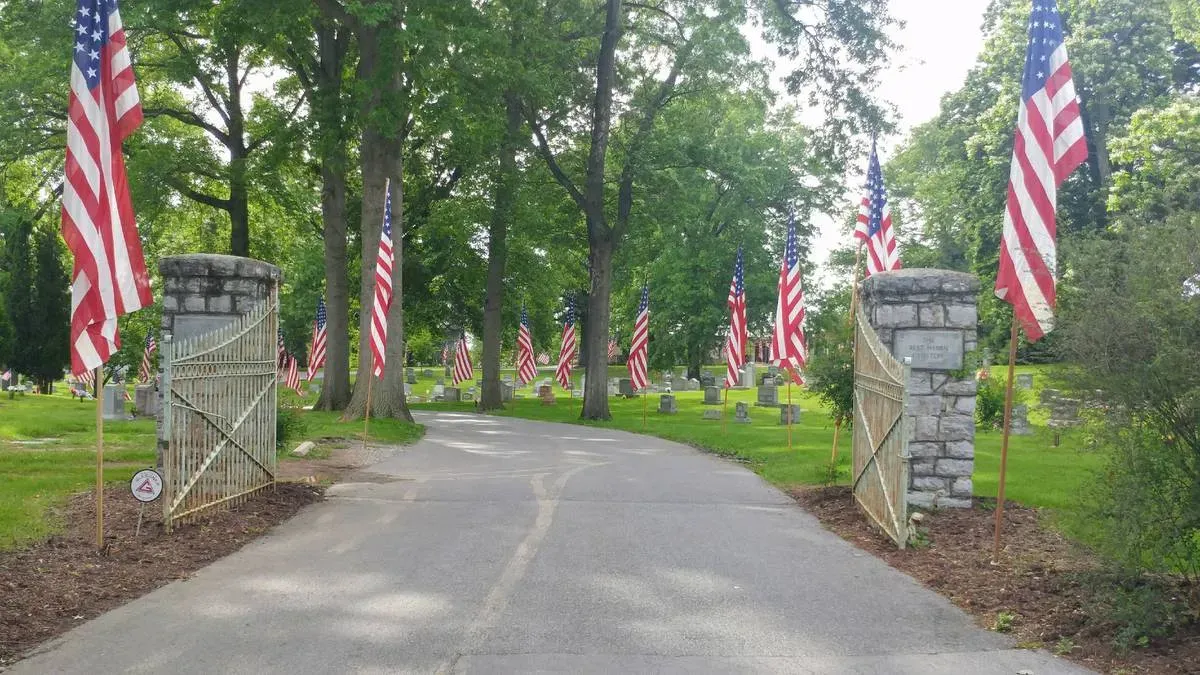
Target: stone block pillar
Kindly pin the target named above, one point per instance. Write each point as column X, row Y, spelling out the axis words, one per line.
column 203, row 292
column 931, row 316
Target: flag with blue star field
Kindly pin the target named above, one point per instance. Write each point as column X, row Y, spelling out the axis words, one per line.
column 566, row 353
column 789, row 348
column 639, row 348
column 875, row 221
column 735, row 345
column 526, row 368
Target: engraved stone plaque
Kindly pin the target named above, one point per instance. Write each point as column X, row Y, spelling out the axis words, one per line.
column 931, row 349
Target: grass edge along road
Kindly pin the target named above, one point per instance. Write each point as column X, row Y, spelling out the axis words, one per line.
column 1039, row 474
column 48, row 452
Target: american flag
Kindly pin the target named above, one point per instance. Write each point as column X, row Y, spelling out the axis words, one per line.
column 735, row 346
column 526, row 369
column 1049, row 145
column 316, row 359
column 109, row 277
column 788, row 347
column 87, row 378
column 125, row 394
column 543, row 358
column 293, row 375
column 614, row 349
column 6, row 377
column 875, row 222
column 151, row 345
column 445, row 353
column 639, row 348
column 463, row 370
column 566, row 353
column 383, row 285
column 281, row 352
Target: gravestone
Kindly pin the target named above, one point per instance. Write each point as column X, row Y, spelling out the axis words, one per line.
column 452, row 394
column 666, row 404
column 407, row 389
column 707, row 380
column 446, row 372
column 712, row 396
column 772, row 370
column 410, row 376
column 613, row 386
column 114, row 403
column 742, row 413
column 1020, row 421
column 441, row 382
column 145, row 400
column 789, row 414
column 767, row 378
column 1064, row 411
column 748, row 374
column 506, row 392
column 625, row 387
column 1025, row 381
column 467, row 396
column 427, row 373
column 439, row 392
column 546, row 394
column 931, row 317
column 768, row 396
column 712, row 414
column 780, row 380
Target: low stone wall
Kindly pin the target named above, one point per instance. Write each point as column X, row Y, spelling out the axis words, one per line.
column 931, row 316
column 204, row 291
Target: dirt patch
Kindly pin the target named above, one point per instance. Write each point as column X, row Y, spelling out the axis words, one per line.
column 63, row 582
column 1040, row 581
column 343, row 463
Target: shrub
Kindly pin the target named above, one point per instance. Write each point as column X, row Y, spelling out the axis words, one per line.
column 289, row 425
column 989, row 402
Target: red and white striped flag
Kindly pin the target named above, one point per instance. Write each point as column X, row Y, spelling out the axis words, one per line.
column 566, row 353
column 1049, row 145
column 316, row 358
column 788, row 346
column 614, row 349
column 87, row 378
column 875, row 222
column 463, row 370
column 293, row 375
column 125, row 394
column 543, row 358
column 526, row 368
column 445, row 353
column 735, row 345
column 639, row 348
column 383, row 286
column 109, row 277
column 151, row 345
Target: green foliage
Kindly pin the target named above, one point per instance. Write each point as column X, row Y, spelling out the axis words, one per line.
column 290, row 425
column 1004, row 622
column 1138, row 608
column 1134, row 331
column 989, row 403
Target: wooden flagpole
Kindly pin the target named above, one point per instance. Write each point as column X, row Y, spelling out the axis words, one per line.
column 725, row 412
column 1008, row 403
column 643, row 408
column 99, row 461
column 789, row 412
column 367, row 414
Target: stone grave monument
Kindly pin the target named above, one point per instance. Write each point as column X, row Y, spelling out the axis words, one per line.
column 749, row 372
column 625, row 387
column 742, row 413
column 145, row 400
column 768, row 396
column 789, row 413
column 114, row 402
column 666, row 404
column 712, row 396
column 1025, row 381
column 410, row 376
column 712, row 414
column 1020, row 421
column 452, row 394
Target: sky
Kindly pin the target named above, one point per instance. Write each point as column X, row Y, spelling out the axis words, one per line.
column 940, row 41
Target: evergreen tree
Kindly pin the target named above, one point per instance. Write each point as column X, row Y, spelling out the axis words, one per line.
column 47, row 329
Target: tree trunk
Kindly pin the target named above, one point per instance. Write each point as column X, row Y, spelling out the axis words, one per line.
column 380, row 159
column 504, row 201
column 239, row 197
column 335, row 387
column 595, row 331
column 332, row 47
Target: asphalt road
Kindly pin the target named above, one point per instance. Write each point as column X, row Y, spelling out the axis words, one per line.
column 508, row 546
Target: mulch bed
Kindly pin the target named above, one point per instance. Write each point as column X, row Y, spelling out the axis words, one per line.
column 1041, row 579
column 62, row 582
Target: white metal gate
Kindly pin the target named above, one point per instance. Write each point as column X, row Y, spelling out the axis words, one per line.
column 219, row 414
column 880, row 440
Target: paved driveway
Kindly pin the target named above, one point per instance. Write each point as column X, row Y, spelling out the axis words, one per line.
column 509, row 546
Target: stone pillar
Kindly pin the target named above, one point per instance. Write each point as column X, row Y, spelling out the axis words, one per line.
column 203, row 292
column 931, row 316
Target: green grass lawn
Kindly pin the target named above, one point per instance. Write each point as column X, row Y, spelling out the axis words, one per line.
column 48, row 452
column 1039, row 474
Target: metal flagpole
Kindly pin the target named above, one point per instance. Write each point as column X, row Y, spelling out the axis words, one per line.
column 99, row 463
column 1008, row 401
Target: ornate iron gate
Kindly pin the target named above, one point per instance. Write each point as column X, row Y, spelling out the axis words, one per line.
column 880, row 440
column 219, row 414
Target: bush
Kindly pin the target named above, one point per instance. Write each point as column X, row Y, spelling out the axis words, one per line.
column 289, row 425
column 1137, row 608
column 831, row 376
column 1131, row 329
column 989, row 402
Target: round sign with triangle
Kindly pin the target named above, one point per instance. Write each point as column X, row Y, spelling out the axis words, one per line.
column 146, row 485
